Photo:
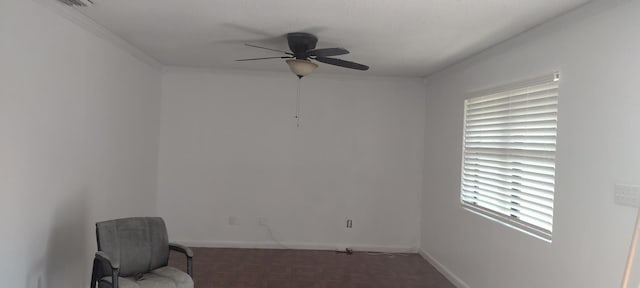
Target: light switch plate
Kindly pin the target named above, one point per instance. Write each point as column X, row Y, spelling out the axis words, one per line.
column 627, row 195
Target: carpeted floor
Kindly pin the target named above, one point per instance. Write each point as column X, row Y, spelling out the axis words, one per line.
column 264, row 268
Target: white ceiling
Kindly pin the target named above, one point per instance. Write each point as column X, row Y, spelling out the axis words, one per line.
column 400, row 38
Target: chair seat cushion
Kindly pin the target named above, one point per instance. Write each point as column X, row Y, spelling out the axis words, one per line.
column 163, row 277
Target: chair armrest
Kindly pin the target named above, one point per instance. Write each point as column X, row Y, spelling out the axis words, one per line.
column 101, row 262
column 104, row 258
column 181, row 248
column 186, row 251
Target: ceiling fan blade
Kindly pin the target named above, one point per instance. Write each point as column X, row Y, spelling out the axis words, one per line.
column 262, row 58
column 327, row 52
column 271, row 49
column 342, row 63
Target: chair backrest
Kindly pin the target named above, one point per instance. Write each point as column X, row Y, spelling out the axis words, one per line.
column 140, row 243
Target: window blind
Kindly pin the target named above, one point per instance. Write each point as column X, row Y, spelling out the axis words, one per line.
column 508, row 169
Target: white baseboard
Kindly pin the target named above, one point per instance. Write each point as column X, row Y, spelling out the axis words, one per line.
column 300, row 246
column 453, row 278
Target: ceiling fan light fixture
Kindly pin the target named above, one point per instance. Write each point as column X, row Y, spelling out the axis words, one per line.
column 301, row 67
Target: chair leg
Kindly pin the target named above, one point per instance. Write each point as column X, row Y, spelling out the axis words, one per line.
column 190, row 266
column 94, row 275
column 114, row 282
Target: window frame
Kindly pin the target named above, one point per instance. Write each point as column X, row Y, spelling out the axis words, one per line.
column 496, row 216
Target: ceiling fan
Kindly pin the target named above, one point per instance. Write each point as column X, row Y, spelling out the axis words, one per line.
column 303, row 50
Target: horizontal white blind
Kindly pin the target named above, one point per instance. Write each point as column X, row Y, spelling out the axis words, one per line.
column 508, row 169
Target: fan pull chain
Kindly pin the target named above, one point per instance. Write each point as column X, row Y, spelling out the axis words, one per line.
column 298, row 115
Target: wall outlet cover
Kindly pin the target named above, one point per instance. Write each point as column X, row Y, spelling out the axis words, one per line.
column 627, row 195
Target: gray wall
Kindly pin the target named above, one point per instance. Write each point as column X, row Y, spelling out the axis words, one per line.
column 78, row 144
column 596, row 50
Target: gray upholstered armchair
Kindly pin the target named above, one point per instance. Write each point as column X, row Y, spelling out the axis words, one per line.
column 134, row 253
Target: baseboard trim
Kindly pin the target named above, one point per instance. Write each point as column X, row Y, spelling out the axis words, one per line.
column 300, row 246
column 453, row 278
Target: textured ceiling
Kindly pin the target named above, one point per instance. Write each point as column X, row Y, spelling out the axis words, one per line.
column 399, row 38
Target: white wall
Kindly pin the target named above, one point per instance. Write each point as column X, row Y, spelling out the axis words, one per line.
column 78, row 143
column 230, row 147
column 596, row 49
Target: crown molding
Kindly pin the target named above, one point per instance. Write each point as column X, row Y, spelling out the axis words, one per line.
column 75, row 16
column 287, row 73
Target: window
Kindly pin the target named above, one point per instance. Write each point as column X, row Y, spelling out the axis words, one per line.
column 508, row 166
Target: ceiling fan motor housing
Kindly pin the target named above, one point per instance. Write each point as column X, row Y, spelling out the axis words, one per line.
column 303, row 49
column 300, row 43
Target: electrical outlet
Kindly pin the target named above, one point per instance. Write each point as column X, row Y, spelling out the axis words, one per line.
column 627, row 195
column 262, row 221
column 233, row 220
column 349, row 223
